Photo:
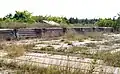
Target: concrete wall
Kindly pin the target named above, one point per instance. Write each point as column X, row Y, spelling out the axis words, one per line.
column 6, row 34
column 47, row 32
column 94, row 29
column 52, row 32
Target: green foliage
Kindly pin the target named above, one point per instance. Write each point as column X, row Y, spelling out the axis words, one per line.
column 39, row 18
column 82, row 21
column 106, row 23
column 58, row 19
column 19, row 16
column 115, row 23
column 27, row 17
column 24, row 16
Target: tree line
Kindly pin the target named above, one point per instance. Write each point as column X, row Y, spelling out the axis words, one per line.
column 108, row 22
column 27, row 17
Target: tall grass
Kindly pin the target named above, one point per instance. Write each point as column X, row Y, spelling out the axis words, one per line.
column 95, row 36
column 73, row 35
column 37, row 69
column 15, row 50
column 110, row 59
column 24, row 25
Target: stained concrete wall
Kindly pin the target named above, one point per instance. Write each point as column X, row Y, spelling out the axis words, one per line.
column 93, row 29
column 47, row 32
column 6, row 34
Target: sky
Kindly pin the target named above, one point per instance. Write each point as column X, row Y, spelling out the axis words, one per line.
column 68, row 8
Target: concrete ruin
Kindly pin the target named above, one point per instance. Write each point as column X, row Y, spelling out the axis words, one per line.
column 47, row 32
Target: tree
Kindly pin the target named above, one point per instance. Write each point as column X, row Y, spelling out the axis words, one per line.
column 38, row 18
column 72, row 20
column 24, row 16
column 108, row 23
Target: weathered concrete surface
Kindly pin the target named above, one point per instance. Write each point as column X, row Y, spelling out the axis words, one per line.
column 47, row 32
column 6, row 34
column 62, row 60
column 45, row 60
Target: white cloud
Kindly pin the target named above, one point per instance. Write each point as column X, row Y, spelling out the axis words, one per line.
column 75, row 8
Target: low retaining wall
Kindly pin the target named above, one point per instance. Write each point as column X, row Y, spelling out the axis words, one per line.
column 47, row 32
column 6, row 34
